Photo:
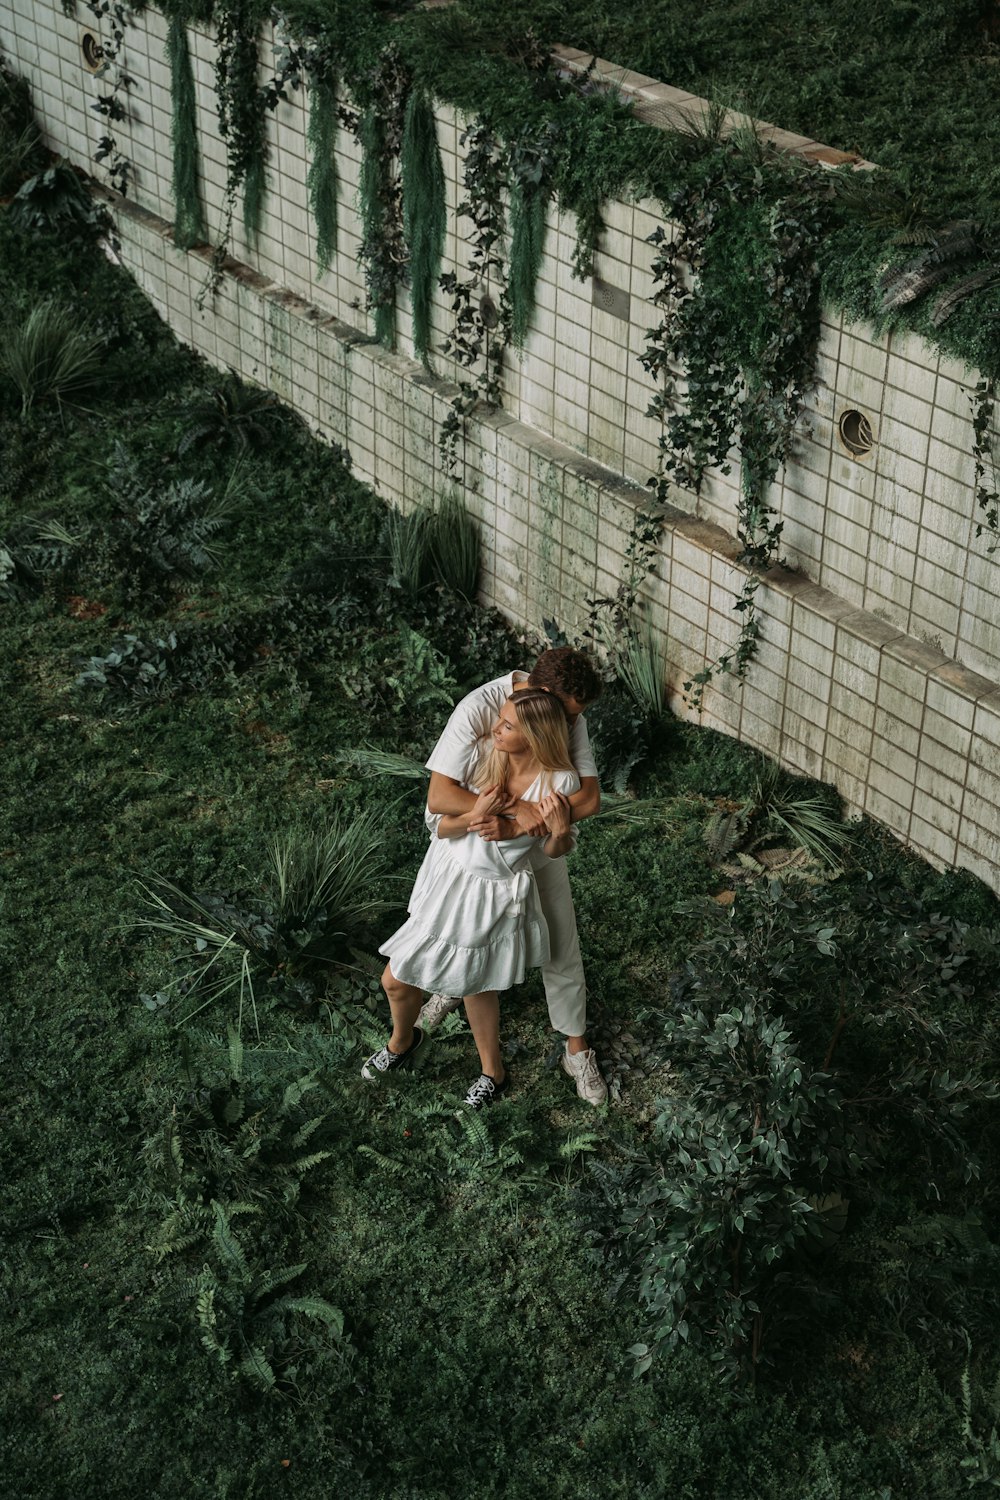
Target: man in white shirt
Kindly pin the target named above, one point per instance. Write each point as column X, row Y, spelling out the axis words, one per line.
column 571, row 677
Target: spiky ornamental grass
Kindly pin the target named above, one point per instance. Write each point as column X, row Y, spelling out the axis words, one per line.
column 321, row 179
column 424, row 212
column 49, row 355
column 189, row 216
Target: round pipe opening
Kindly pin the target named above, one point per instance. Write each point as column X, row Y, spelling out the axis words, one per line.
column 856, row 433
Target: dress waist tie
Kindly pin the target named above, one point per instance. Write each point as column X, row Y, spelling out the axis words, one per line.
column 519, row 888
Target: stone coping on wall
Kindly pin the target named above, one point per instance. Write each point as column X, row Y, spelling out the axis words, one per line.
column 669, row 108
column 903, row 732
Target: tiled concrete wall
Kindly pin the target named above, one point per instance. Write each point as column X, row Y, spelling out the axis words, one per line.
column 880, row 661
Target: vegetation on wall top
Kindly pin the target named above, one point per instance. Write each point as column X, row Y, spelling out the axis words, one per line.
column 913, row 90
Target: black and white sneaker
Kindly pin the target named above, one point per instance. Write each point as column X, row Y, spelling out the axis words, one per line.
column 384, row 1061
column 485, row 1091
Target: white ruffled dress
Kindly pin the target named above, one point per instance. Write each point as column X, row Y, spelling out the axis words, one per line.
column 475, row 920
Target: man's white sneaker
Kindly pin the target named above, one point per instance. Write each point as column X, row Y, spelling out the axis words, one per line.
column 434, row 1010
column 582, row 1068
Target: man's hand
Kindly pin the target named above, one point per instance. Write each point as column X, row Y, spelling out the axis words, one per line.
column 556, row 811
column 528, row 818
column 493, row 827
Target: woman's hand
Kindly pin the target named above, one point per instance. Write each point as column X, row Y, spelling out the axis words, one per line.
column 487, row 817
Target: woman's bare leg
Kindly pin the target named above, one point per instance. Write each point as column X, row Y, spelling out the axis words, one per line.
column 483, row 1011
column 405, row 1001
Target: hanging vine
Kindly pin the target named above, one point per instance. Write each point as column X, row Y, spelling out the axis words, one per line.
column 321, row 178
column 424, row 212
column 481, row 333
column 189, row 216
column 382, row 251
column 112, row 105
column 737, row 289
column 241, row 105
column 530, row 162
column 987, row 498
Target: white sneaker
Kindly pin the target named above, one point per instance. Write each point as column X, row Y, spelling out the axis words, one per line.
column 434, row 1010
column 582, row 1068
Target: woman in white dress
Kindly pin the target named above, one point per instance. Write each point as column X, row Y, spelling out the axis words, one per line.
column 475, row 922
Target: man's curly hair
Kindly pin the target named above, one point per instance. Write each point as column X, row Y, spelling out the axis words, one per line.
column 563, row 670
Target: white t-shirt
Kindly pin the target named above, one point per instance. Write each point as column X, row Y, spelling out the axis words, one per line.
column 458, row 751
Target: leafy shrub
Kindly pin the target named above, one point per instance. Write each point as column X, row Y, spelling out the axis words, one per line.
column 620, row 734
column 137, row 671
column 20, row 138
column 817, row 1036
column 56, row 202
column 49, row 356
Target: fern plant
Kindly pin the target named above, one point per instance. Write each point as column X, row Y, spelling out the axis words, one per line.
column 254, row 1334
column 778, row 808
column 945, row 251
column 235, row 416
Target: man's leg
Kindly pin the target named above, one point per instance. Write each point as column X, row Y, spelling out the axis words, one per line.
column 565, row 986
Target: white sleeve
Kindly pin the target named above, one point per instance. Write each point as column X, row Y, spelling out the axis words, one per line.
column 458, row 750
column 579, row 746
column 567, row 782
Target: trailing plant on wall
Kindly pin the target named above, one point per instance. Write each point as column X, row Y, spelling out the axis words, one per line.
column 112, row 17
column 241, row 108
column 530, row 161
column 189, row 216
column 383, row 252
column 480, row 304
column 424, row 211
column 240, row 104
column 737, row 290
column 321, row 178
column 983, row 437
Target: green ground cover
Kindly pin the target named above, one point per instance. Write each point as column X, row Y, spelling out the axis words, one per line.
column 910, row 84
column 230, row 1265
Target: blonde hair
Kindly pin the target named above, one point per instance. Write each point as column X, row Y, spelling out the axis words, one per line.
column 542, row 720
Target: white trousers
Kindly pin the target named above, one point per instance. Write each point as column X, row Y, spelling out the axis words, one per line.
column 565, row 987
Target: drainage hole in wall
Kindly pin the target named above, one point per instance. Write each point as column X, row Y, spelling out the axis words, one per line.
column 93, row 52
column 856, row 433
